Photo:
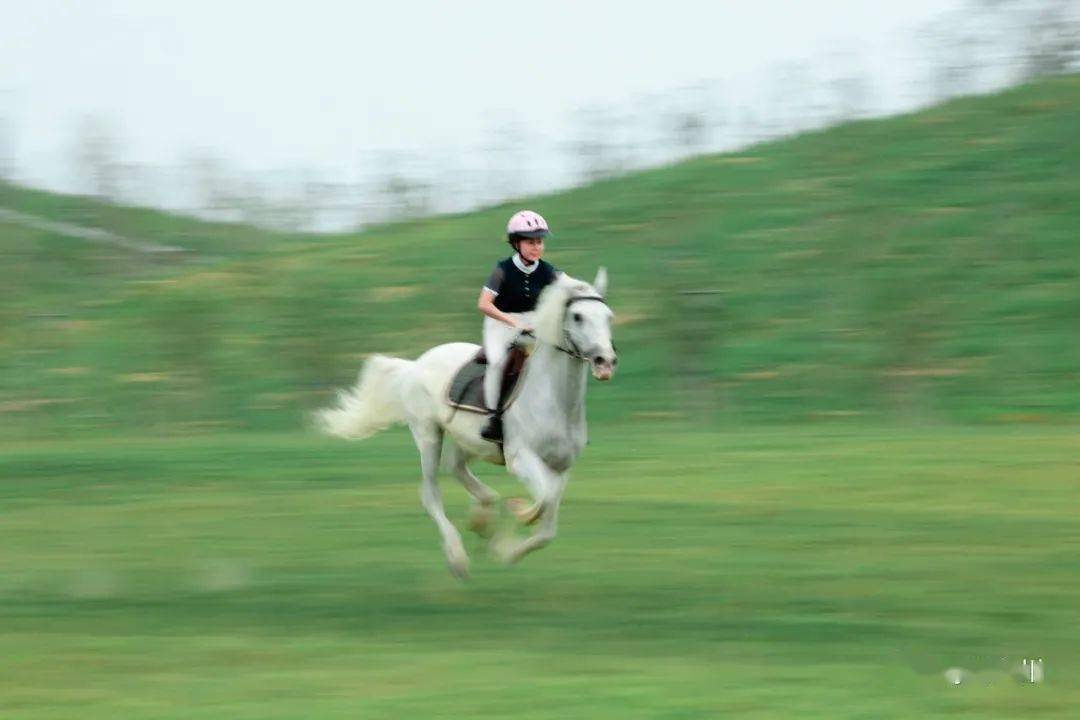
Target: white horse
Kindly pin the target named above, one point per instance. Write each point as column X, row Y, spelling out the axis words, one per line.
column 544, row 427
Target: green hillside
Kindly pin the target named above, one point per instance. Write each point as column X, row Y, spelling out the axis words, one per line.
column 923, row 268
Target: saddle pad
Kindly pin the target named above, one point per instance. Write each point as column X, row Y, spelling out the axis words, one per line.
column 466, row 390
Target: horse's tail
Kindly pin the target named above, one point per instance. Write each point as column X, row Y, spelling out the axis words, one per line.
column 376, row 402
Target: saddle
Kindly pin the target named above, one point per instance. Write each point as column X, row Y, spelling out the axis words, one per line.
column 466, row 391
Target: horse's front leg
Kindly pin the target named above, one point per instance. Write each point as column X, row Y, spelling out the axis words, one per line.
column 547, row 487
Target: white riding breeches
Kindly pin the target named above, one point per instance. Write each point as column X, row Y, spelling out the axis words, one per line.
column 497, row 339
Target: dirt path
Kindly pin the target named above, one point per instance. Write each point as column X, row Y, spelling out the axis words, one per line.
column 80, row 232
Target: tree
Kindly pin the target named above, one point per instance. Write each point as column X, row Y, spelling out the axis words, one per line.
column 952, row 44
column 596, row 150
column 1039, row 37
column 1052, row 39
column 506, row 161
column 97, row 157
column 7, row 136
column 397, row 189
column 848, row 94
column 211, row 185
column 7, row 151
column 692, row 119
column 791, row 99
column 852, row 97
column 748, row 128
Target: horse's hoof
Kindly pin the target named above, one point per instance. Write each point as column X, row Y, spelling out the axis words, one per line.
column 480, row 520
column 458, row 563
column 525, row 513
column 503, row 549
column 459, row 571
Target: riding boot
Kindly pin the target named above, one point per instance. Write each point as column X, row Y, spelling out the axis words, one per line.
column 493, row 431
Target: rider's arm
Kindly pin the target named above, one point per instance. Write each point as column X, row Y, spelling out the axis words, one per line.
column 486, row 305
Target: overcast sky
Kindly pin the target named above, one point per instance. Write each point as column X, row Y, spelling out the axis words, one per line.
column 317, row 84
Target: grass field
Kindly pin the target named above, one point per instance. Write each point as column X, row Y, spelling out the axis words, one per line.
column 830, row 572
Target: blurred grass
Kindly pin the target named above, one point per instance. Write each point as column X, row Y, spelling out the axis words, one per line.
column 920, row 269
column 900, row 298
column 762, row 573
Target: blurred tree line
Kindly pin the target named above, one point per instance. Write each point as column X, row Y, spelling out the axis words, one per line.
column 986, row 45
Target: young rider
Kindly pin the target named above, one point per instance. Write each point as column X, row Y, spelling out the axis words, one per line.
column 508, row 300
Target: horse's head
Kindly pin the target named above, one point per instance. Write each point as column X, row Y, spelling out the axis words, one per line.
column 574, row 316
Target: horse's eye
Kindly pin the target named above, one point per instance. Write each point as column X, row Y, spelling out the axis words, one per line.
column 577, row 317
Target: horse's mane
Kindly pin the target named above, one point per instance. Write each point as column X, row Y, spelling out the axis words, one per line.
column 551, row 307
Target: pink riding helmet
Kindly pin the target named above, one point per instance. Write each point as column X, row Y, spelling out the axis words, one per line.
column 527, row 223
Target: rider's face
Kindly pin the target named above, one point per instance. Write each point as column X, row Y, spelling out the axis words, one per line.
column 531, row 249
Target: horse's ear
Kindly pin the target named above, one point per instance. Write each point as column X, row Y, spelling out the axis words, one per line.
column 600, row 283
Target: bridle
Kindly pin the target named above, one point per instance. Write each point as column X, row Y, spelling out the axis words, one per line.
column 574, row 351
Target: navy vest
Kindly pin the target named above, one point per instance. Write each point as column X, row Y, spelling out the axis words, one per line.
column 518, row 291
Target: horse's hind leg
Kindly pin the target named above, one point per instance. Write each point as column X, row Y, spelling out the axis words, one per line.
column 483, row 509
column 429, row 439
